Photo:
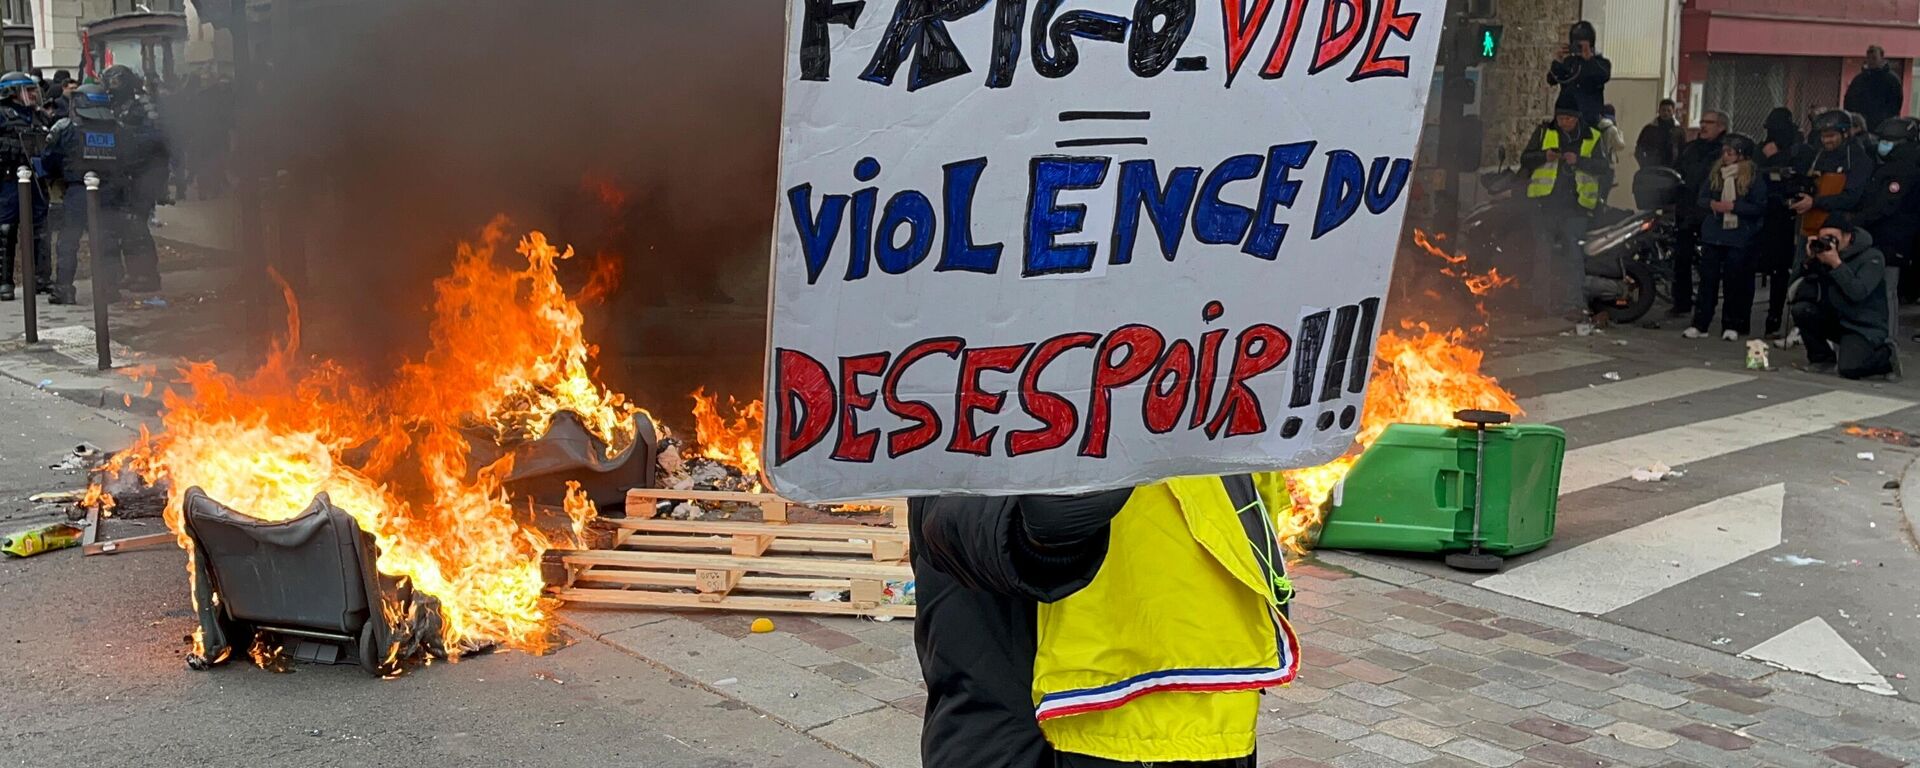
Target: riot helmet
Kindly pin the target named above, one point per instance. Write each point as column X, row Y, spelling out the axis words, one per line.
column 1898, row 129
column 1833, row 120
column 1741, row 144
column 93, row 102
column 121, row 80
column 19, row 85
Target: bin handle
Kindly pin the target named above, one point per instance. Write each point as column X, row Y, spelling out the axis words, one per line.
column 1449, row 489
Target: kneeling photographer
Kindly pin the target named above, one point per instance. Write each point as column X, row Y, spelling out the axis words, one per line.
column 1841, row 304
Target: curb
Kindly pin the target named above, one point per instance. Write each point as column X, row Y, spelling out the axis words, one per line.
column 86, row 389
column 1909, row 505
column 1707, row 660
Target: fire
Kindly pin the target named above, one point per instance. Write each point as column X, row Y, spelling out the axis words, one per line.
column 507, row 353
column 1421, row 376
column 1477, row 283
column 734, row 441
column 1887, row 435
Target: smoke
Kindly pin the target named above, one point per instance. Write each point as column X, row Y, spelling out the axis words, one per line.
column 402, row 126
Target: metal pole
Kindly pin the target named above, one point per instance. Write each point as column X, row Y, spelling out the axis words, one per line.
column 101, row 342
column 28, row 257
column 1479, row 482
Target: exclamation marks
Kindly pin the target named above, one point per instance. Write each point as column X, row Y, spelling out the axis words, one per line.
column 1349, row 352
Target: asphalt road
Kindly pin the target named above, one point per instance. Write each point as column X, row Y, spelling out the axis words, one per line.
column 1776, row 526
column 95, row 674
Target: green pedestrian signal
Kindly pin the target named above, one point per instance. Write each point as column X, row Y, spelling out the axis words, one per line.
column 1490, row 41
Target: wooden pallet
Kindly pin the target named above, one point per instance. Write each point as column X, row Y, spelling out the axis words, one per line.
column 767, row 567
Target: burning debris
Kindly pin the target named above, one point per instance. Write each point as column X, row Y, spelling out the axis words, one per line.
column 1886, row 435
column 444, row 468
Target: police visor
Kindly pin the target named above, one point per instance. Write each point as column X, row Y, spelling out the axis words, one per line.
column 93, row 103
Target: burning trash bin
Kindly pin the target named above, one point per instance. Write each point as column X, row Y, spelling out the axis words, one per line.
column 1482, row 491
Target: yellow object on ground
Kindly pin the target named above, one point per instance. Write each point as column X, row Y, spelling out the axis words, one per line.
column 45, row 538
column 762, row 626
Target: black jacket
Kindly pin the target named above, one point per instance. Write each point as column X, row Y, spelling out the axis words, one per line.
column 1849, row 159
column 1855, row 293
column 1583, row 83
column 1659, row 144
column 1696, row 159
column 979, row 579
column 1876, row 93
column 1888, row 205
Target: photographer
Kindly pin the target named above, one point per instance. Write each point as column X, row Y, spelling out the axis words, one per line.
column 1839, row 169
column 1841, row 305
column 1887, row 209
column 1582, row 73
column 1564, row 163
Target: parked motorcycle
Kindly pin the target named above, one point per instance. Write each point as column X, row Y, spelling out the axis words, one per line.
column 1629, row 254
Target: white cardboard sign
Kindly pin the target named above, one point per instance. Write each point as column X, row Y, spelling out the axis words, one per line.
column 1062, row 245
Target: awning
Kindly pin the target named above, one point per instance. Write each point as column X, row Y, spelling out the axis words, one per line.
column 1728, row 32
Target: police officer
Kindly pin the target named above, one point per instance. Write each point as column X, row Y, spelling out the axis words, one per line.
column 1888, row 209
column 22, row 137
column 134, row 110
column 91, row 140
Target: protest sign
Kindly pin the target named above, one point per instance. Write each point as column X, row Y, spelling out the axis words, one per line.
column 1061, row 245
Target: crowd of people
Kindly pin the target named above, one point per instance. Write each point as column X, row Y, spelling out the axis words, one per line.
column 65, row 131
column 1824, row 215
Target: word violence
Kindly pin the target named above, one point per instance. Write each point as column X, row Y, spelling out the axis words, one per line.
column 1205, row 384
column 917, row 38
column 1180, row 202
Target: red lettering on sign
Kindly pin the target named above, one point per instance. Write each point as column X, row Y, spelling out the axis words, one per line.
column 803, row 386
column 970, row 398
column 926, row 421
column 852, row 444
column 1143, row 345
column 1056, row 414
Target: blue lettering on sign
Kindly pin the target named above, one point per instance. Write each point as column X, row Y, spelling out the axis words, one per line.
column 104, row 140
column 900, row 230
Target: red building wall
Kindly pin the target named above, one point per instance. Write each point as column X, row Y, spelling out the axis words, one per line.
column 1837, row 29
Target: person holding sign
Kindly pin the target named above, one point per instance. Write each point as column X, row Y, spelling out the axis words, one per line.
column 1117, row 628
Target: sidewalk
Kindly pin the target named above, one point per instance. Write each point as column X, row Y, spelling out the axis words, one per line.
column 146, row 330
column 1400, row 669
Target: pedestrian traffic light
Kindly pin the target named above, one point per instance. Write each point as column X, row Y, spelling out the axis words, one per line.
column 1489, row 42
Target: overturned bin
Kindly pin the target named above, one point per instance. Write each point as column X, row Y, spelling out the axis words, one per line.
column 1483, row 491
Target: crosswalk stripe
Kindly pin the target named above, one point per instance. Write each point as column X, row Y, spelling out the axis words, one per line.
column 1597, row 465
column 1628, row 566
column 1600, row 398
column 1544, row 361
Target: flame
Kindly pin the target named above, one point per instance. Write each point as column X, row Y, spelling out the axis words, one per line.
column 1421, row 377
column 507, row 353
column 1887, row 435
column 1477, row 283
column 734, row 441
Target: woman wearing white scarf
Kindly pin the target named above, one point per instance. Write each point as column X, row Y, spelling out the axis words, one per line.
column 1736, row 193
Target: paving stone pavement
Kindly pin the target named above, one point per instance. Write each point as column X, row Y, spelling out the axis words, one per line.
column 1392, row 676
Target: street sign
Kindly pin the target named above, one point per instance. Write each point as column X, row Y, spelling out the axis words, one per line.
column 1489, row 43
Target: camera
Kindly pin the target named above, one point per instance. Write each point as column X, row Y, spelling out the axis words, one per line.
column 1822, row 244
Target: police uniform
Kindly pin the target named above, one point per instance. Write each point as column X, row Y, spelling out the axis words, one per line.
column 145, row 164
column 22, row 137
column 91, row 141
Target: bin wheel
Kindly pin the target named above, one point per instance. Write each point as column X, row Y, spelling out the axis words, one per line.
column 1482, row 418
column 1475, row 562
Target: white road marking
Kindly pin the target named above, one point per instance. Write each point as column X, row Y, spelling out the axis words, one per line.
column 1597, row 465
column 1544, row 361
column 1600, row 398
column 1815, row 648
column 1617, row 570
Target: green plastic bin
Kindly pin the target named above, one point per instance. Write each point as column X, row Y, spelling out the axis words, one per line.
column 1412, row 491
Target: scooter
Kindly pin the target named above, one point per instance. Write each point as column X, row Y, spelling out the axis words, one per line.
column 1626, row 252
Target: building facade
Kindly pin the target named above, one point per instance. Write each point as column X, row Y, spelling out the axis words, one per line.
column 1745, row 57
column 147, row 35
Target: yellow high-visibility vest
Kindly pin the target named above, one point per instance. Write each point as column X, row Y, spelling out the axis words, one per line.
column 1585, row 185
column 1161, row 658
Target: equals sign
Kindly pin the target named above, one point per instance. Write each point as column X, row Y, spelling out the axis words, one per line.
column 1104, row 141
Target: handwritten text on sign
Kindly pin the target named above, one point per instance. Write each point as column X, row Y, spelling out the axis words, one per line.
column 1058, row 245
